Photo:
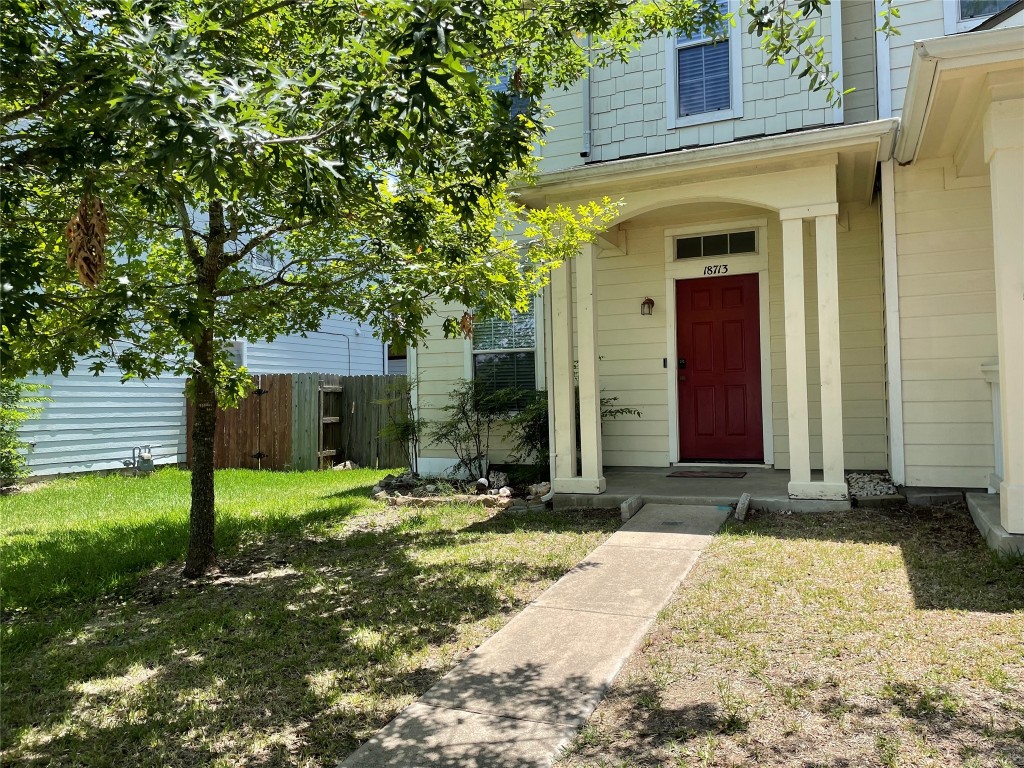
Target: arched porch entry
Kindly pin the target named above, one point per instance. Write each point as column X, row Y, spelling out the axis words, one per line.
column 792, row 196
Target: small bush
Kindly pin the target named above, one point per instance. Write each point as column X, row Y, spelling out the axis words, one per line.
column 17, row 403
column 474, row 410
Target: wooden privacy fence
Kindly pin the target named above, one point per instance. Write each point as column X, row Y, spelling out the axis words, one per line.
column 306, row 421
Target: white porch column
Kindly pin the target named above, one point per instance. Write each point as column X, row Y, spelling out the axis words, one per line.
column 833, row 462
column 1004, row 152
column 833, row 486
column 562, row 392
column 796, row 351
column 592, row 476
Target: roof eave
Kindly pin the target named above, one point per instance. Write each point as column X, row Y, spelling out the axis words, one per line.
column 761, row 149
column 934, row 55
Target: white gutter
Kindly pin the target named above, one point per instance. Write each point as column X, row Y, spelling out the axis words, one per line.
column 940, row 53
column 700, row 158
column 893, row 346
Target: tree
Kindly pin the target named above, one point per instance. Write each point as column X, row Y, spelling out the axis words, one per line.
column 219, row 171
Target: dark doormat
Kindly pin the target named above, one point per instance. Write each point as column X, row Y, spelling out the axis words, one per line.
column 730, row 473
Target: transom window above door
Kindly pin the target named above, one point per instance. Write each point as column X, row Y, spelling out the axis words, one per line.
column 719, row 244
column 704, row 76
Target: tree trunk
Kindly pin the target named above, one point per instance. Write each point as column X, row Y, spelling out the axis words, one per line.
column 202, row 553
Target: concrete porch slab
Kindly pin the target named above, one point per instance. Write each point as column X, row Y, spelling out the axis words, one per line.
column 768, row 489
column 671, row 527
column 551, row 665
column 984, row 509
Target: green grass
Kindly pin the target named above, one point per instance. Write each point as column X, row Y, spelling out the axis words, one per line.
column 874, row 638
column 333, row 612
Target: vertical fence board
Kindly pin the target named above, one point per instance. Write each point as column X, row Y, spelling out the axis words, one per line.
column 286, row 424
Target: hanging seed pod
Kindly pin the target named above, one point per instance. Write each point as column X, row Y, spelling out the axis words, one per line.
column 86, row 235
column 466, row 324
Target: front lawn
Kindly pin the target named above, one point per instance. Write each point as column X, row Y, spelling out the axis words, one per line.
column 333, row 613
column 855, row 639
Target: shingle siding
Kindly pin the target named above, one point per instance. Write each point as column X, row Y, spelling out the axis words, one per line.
column 628, row 99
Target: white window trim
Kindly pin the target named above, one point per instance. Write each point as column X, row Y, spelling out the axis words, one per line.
column 469, row 369
column 952, row 21
column 735, row 110
column 684, row 269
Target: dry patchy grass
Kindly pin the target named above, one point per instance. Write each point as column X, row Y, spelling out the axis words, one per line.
column 855, row 639
column 332, row 613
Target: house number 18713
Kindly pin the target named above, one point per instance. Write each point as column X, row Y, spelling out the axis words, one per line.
column 716, row 269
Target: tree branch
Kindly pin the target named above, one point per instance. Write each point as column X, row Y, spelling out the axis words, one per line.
column 40, row 106
column 191, row 248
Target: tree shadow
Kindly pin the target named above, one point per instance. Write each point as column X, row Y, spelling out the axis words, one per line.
column 649, row 723
column 948, row 565
column 297, row 653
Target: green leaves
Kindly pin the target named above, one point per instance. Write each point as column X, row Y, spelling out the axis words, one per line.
column 265, row 163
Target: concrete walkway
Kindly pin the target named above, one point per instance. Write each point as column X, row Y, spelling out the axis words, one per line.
column 523, row 694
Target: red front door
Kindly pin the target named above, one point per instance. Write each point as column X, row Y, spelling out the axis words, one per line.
column 718, row 363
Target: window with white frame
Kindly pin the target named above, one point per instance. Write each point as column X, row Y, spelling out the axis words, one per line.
column 965, row 15
column 505, row 351
column 704, row 77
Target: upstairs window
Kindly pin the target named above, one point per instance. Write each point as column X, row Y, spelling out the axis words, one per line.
column 965, row 15
column 705, row 77
column 505, row 351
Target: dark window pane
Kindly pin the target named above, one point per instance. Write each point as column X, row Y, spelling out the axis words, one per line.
column 703, row 78
column 974, row 9
column 518, row 333
column 716, row 245
column 506, row 369
column 688, row 248
column 742, row 242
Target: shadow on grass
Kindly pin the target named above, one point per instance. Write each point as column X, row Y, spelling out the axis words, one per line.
column 650, row 723
column 948, row 565
column 84, row 564
column 303, row 648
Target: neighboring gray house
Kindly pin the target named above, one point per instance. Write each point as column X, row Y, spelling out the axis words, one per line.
column 93, row 422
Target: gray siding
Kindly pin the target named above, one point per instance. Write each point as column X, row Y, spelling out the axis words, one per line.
column 858, row 69
column 93, row 422
column 335, row 348
column 628, row 101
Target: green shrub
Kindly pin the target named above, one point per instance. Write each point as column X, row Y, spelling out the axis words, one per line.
column 528, row 427
column 474, row 410
column 17, row 403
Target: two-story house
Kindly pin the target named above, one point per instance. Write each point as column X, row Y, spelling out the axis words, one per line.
column 807, row 287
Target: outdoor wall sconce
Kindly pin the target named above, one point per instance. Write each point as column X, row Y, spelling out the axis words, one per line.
column 647, row 306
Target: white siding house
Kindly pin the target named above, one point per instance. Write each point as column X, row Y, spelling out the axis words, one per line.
column 834, row 288
column 93, row 422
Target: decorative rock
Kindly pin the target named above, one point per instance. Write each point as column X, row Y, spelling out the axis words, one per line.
column 431, row 489
column 347, row 465
column 630, row 507
column 497, row 479
column 540, row 489
column 482, row 485
column 741, row 506
column 868, row 484
column 381, row 495
column 505, row 491
column 376, row 489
